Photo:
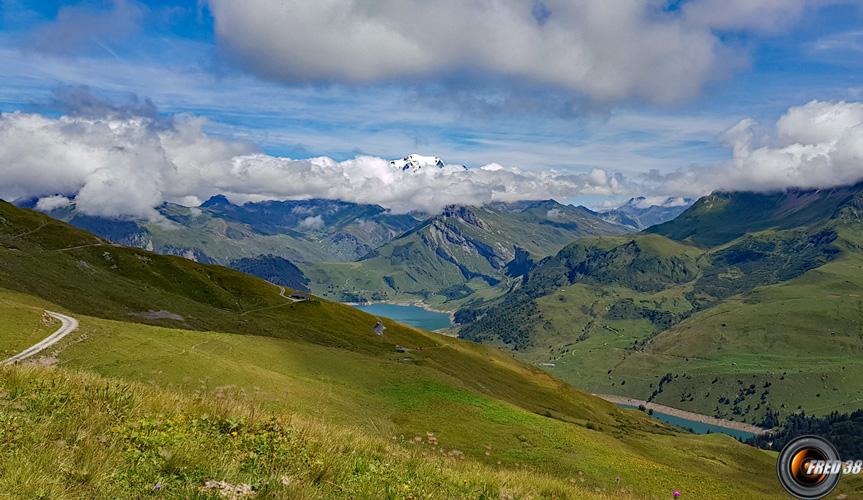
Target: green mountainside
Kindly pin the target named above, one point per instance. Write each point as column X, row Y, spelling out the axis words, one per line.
column 183, row 373
column 460, row 252
column 354, row 253
column 745, row 307
column 722, row 217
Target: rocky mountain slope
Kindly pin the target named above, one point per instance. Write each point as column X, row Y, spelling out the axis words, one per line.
column 220, row 231
column 461, row 251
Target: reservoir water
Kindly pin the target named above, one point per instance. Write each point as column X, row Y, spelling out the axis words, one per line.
column 409, row 315
column 697, row 427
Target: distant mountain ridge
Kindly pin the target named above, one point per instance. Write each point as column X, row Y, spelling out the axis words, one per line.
column 463, row 249
column 221, row 232
column 641, row 212
column 723, row 216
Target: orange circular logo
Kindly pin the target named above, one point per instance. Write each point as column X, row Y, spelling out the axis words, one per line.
column 809, row 467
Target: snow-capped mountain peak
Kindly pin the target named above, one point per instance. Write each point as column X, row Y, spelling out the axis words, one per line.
column 415, row 163
column 643, row 202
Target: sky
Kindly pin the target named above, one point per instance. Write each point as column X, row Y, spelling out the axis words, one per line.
column 120, row 105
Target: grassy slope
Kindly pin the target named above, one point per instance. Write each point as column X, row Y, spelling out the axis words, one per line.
column 722, row 217
column 22, row 326
column 322, row 356
column 797, row 341
column 71, row 435
column 802, row 337
column 397, row 401
column 607, row 266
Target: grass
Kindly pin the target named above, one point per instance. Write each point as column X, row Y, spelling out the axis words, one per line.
column 801, row 337
column 240, row 345
column 23, row 324
column 396, row 401
column 73, row 435
column 766, row 323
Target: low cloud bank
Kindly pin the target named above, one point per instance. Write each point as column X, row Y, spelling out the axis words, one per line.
column 125, row 166
column 121, row 165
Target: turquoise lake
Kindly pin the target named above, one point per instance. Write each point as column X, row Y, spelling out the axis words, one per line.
column 409, row 315
column 697, row 427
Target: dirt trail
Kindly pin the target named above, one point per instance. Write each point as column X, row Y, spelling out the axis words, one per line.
column 67, row 326
column 282, row 292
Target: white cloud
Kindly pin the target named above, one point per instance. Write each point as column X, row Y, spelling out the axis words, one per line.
column 49, row 203
column 113, row 166
column 316, row 222
column 661, row 201
column 817, row 145
column 818, row 122
column 126, row 166
column 609, row 50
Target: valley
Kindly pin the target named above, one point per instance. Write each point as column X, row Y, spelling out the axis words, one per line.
column 230, row 341
column 745, row 326
column 421, row 250
column 718, row 324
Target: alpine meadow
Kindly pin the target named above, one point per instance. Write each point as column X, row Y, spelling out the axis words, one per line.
column 556, row 249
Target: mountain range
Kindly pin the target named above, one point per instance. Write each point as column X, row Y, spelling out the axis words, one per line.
column 452, row 255
column 184, row 376
column 358, row 252
column 747, row 306
column 219, row 231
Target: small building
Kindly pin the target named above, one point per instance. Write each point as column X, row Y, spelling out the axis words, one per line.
column 379, row 328
column 298, row 296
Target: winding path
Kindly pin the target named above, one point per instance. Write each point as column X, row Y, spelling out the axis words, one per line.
column 282, row 292
column 67, row 326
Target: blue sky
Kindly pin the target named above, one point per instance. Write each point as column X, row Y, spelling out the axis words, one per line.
column 169, row 52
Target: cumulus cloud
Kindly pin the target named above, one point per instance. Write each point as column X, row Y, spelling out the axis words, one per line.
column 113, row 166
column 49, row 203
column 817, row 145
column 120, row 165
column 316, row 222
column 609, row 50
